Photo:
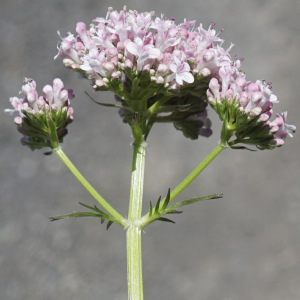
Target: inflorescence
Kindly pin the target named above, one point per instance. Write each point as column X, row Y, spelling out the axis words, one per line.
column 42, row 120
column 163, row 72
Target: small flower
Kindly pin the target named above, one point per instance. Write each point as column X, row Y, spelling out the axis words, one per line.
column 181, row 72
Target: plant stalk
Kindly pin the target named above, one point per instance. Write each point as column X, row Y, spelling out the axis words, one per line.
column 133, row 231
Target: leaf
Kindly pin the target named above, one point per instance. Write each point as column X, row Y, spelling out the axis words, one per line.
column 75, row 215
column 243, row 148
column 108, row 224
column 167, row 200
column 48, row 152
column 165, row 220
column 176, row 108
column 109, row 104
column 157, row 205
column 190, row 201
column 174, row 212
column 150, row 210
column 95, row 208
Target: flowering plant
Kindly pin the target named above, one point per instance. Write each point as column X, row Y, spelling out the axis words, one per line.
column 159, row 72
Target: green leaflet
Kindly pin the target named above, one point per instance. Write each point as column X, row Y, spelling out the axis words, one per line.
column 161, row 208
column 99, row 214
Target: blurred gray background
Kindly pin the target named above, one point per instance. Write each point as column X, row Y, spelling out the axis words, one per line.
column 244, row 246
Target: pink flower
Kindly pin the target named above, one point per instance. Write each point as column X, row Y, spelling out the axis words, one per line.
column 284, row 129
column 143, row 52
column 181, row 72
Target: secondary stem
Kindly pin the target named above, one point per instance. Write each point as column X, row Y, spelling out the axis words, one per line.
column 196, row 172
column 119, row 218
column 133, row 232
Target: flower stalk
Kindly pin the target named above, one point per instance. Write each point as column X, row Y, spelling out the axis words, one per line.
column 196, row 171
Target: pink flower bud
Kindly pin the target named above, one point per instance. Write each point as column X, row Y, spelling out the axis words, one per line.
column 114, row 38
column 177, row 53
column 160, row 58
column 193, row 44
column 63, row 96
column 274, row 129
column 18, row 120
column 109, row 67
column 214, row 87
column 256, row 111
column 115, row 75
column 160, row 80
column 198, row 59
column 128, row 64
column 70, row 111
column 184, row 33
column 253, row 87
column 48, row 93
column 205, row 72
column 146, row 69
column 241, row 82
column 111, row 52
column 256, row 97
column 40, row 103
column 115, row 61
column 161, row 69
column 121, row 47
column 229, row 94
column 191, row 35
column 243, row 99
column 68, row 62
column 263, row 118
column 208, row 55
column 31, row 97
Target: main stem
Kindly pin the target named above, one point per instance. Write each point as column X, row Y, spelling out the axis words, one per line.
column 133, row 232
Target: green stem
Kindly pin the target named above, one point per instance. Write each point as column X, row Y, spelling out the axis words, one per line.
column 134, row 263
column 196, row 172
column 137, row 181
column 133, row 231
column 119, row 218
column 152, row 109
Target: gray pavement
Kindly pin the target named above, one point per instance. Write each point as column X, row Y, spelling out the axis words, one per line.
column 245, row 246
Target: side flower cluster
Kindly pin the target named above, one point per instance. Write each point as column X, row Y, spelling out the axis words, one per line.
column 42, row 120
column 246, row 109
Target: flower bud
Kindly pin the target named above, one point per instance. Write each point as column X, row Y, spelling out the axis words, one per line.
column 205, row 72
column 18, row 120
column 160, row 80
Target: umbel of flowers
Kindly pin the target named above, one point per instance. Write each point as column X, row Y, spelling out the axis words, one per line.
column 42, row 120
column 156, row 67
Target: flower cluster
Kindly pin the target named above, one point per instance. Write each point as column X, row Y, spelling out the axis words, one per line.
column 142, row 57
column 171, row 55
column 246, row 108
column 42, row 120
column 158, row 57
